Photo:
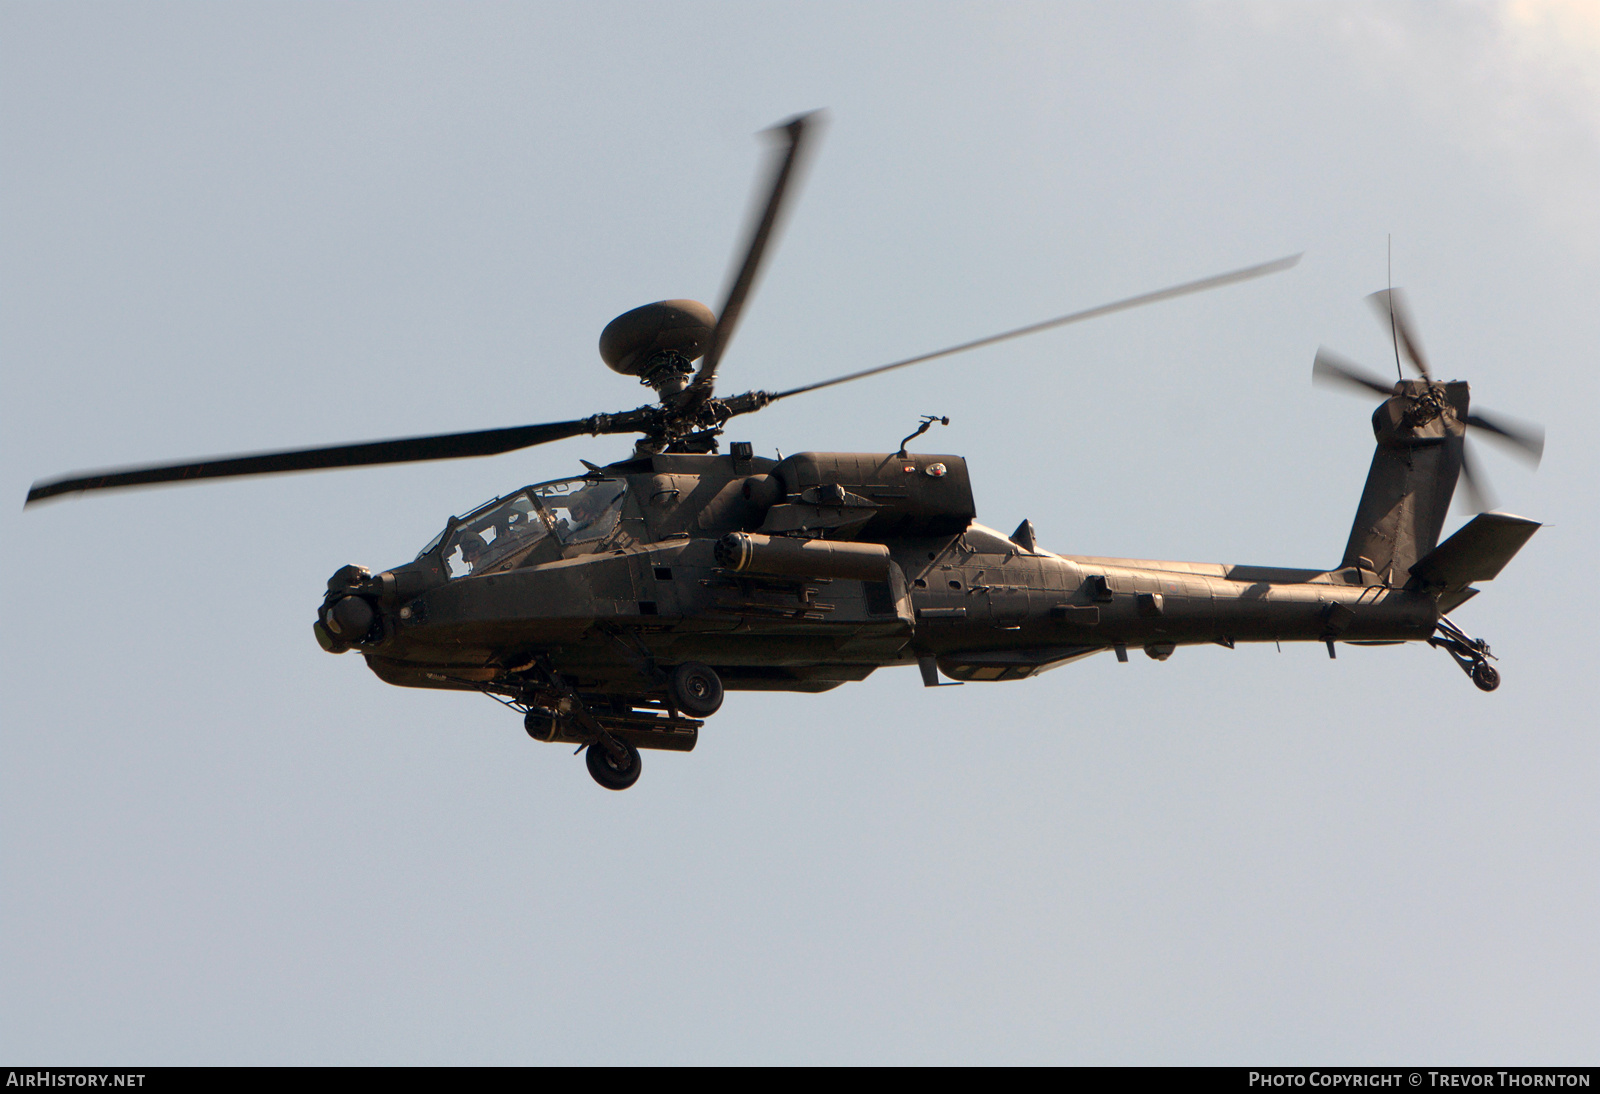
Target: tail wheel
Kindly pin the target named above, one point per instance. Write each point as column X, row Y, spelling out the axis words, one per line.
column 1486, row 676
column 696, row 689
column 608, row 771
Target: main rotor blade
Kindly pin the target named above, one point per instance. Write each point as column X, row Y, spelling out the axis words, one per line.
column 1330, row 368
column 445, row 446
column 1479, row 497
column 784, row 168
column 1526, row 439
column 1391, row 306
column 1184, row 289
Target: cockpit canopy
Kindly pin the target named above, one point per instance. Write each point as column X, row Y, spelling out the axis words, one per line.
column 541, row 523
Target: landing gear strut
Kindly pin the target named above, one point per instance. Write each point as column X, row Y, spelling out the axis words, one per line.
column 613, row 761
column 609, row 728
column 1472, row 654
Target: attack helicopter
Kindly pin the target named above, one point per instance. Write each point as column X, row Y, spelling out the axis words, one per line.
column 613, row 609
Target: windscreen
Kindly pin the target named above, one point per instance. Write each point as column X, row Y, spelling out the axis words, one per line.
column 537, row 524
column 497, row 535
column 582, row 511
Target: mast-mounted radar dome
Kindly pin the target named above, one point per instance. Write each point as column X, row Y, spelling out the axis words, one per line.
column 632, row 342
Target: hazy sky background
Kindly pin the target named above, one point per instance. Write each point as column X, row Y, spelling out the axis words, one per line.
column 231, row 227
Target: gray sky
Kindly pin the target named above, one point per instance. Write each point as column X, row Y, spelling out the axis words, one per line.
column 245, row 226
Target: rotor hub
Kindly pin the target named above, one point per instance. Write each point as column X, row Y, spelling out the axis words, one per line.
column 668, row 372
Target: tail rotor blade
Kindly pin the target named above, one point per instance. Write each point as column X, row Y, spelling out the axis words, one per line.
column 1528, row 440
column 1330, row 368
column 789, row 159
column 1391, row 307
column 1478, row 495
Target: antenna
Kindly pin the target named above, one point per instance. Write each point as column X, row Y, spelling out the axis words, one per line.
column 928, row 420
column 1394, row 334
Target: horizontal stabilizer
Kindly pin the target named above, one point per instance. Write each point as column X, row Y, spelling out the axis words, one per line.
column 1477, row 552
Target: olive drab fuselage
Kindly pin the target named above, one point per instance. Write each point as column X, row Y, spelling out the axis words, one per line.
column 613, row 609
column 656, row 589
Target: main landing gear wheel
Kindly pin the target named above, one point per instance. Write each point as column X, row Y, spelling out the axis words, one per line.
column 1486, row 676
column 607, row 770
column 696, row 689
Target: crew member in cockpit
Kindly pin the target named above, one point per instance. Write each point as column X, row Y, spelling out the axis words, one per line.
column 472, row 549
column 516, row 520
column 585, row 510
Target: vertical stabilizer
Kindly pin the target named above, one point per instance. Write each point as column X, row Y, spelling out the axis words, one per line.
column 1414, row 470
